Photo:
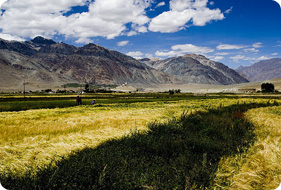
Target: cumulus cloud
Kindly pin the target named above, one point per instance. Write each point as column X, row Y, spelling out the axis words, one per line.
column 1, row 2
column 274, row 54
column 179, row 50
column 106, row 18
column 183, row 13
column 222, row 53
column 257, row 45
column 190, row 48
column 252, row 50
column 35, row 17
column 122, row 43
column 217, row 58
column 10, row 37
column 229, row 46
column 160, row 4
column 135, row 54
column 237, row 58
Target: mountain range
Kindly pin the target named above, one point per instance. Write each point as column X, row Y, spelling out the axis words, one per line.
column 192, row 68
column 44, row 63
column 262, row 70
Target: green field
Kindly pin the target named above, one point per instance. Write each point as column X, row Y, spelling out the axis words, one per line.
column 140, row 141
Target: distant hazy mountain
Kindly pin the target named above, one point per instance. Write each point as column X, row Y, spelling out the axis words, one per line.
column 192, row 68
column 262, row 70
column 42, row 62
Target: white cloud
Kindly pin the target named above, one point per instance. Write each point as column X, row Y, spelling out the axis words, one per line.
column 10, row 37
column 35, row 17
column 257, row 45
column 228, row 10
column 84, row 41
column 229, row 46
column 183, row 13
column 212, row 3
column 106, row 18
column 274, row 54
column 169, row 22
column 149, row 55
column 217, row 58
column 135, row 54
column 160, row 4
column 179, row 50
column 132, row 33
column 222, row 53
column 1, row 2
column 141, row 29
column 253, row 50
column 237, row 58
column 122, row 43
column 168, row 53
column 190, row 48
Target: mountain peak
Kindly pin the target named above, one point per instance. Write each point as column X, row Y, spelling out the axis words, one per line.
column 193, row 68
column 262, row 70
column 195, row 56
column 42, row 41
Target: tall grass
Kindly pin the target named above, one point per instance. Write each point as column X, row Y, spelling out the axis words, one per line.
column 111, row 145
column 260, row 166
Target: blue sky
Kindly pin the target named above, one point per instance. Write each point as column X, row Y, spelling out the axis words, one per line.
column 234, row 32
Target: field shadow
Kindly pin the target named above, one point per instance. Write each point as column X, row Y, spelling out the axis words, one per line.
column 182, row 153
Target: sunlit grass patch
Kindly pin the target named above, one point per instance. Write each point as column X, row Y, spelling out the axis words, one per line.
column 260, row 166
column 182, row 152
column 48, row 134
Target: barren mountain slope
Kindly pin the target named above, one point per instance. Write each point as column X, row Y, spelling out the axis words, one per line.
column 262, row 70
column 43, row 62
column 194, row 68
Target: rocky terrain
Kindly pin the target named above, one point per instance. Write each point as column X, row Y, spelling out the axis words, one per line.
column 262, row 70
column 42, row 62
column 192, row 68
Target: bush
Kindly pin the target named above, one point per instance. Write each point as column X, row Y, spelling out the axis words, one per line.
column 267, row 87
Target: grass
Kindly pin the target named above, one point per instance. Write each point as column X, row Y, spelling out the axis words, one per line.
column 146, row 144
column 260, row 166
column 39, row 101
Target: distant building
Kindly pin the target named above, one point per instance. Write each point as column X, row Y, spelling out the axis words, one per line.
column 247, row 90
column 124, row 88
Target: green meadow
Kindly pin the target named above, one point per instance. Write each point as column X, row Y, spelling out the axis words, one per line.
column 140, row 141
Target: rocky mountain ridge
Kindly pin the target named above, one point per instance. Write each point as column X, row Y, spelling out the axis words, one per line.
column 262, row 70
column 192, row 68
column 45, row 63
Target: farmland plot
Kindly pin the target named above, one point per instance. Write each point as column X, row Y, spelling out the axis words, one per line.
column 47, row 143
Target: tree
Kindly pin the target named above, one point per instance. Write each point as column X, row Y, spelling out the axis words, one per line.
column 87, row 87
column 267, row 87
column 178, row 91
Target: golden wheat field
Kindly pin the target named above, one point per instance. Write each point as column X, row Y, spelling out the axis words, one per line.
column 260, row 166
column 32, row 139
